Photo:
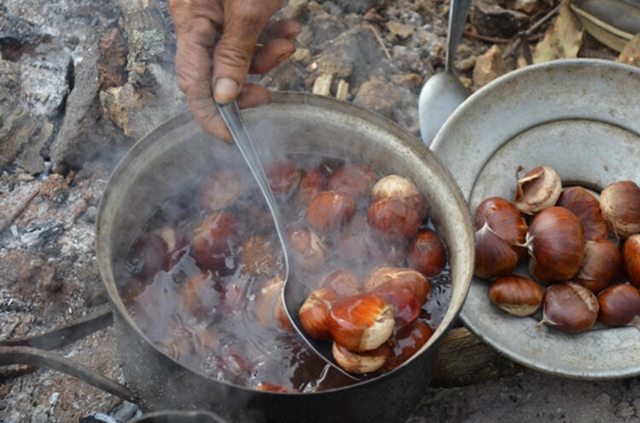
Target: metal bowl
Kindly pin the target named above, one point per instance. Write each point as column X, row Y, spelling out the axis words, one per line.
column 581, row 117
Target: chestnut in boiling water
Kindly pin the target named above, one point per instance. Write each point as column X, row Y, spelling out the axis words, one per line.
column 214, row 240
column 620, row 207
column 356, row 179
column 362, row 362
column 314, row 313
column 361, row 322
column 343, row 282
column 329, row 211
column 393, row 220
column 221, row 189
column 395, row 186
column 307, row 249
column 620, row 306
column 569, row 307
column 556, row 245
column 406, row 307
column 601, row 266
column 313, row 182
column 269, row 305
column 631, row 259
column 284, row 176
column 586, row 207
column 257, row 255
column 538, row 190
column 517, row 295
column 386, row 278
column 427, row 253
column 407, row 342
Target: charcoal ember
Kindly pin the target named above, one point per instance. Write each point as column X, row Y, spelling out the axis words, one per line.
column 491, row 20
column 38, row 234
column 354, row 6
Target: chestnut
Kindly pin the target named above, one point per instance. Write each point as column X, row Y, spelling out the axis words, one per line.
column 354, row 178
column 314, row 313
column 494, row 257
column 269, row 306
column 387, row 278
column 620, row 305
column 393, row 220
column 343, row 282
column 330, row 211
column 586, row 207
column 313, row 182
column 500, row 232
column 503, row 218
column 148, row 256
column 221, row 189
column 569, row 307
column 361, row 322
column 427, row 253
column 200, row 295
column 556, row 245
column 257, row 256
column 406, row 307
column 284, row 176
column 362, row 362
column 400, row 188
column 307, row 248
column 407, row 342
column 538, row 190
column 631, row 259
column 273, row 387
column 601, row 265
column 620, row 207
column 517, row 295
column 214, row 240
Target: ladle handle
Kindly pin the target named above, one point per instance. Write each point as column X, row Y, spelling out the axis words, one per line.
column 33, row 351
column 232, row 117
column 458, row 10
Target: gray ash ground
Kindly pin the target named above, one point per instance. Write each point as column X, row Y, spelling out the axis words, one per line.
column 48, row 269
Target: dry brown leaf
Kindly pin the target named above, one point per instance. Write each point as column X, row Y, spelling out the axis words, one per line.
column 562, row 41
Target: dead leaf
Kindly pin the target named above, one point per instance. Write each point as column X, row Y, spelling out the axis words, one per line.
column 562, row 41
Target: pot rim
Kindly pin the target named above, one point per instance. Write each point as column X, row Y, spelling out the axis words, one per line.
column 413, row 146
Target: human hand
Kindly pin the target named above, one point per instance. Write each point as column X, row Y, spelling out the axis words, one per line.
column 217, row 47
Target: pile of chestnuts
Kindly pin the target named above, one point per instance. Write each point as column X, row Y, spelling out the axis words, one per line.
column 582, row 252
column 203, row 279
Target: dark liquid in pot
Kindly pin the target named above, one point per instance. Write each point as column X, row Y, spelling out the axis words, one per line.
column 211, row 320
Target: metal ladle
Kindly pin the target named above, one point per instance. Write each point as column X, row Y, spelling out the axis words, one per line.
column 293, row 293
column 443, row 92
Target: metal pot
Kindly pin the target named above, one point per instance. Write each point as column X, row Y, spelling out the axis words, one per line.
column 161, row 164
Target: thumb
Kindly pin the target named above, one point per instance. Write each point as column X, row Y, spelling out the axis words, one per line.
column 233, row 53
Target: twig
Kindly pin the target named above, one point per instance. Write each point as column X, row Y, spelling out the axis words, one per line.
column 494, row 40
column 515, row 42
column 380, row 40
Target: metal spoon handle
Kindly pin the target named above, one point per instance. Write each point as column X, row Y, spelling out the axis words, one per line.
column 232, row 117
column 458, row 10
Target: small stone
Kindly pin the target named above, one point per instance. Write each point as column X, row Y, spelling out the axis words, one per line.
column 624, row 410
column 379, row 96
column 630, row 54
column 488, row 67
column 526, row 6
column 401, row 30
column 411, row 80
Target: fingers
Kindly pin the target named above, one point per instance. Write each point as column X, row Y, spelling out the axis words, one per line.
column 251, row 95
column 244, row 21
column 196, row 35
column 271, row 54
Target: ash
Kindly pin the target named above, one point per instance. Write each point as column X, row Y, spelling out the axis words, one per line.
column 77, row 89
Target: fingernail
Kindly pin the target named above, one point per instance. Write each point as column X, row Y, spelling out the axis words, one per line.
column 225, row 91
column 285, row 56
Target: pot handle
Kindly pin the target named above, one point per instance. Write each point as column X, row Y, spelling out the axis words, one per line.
column 34, row 351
